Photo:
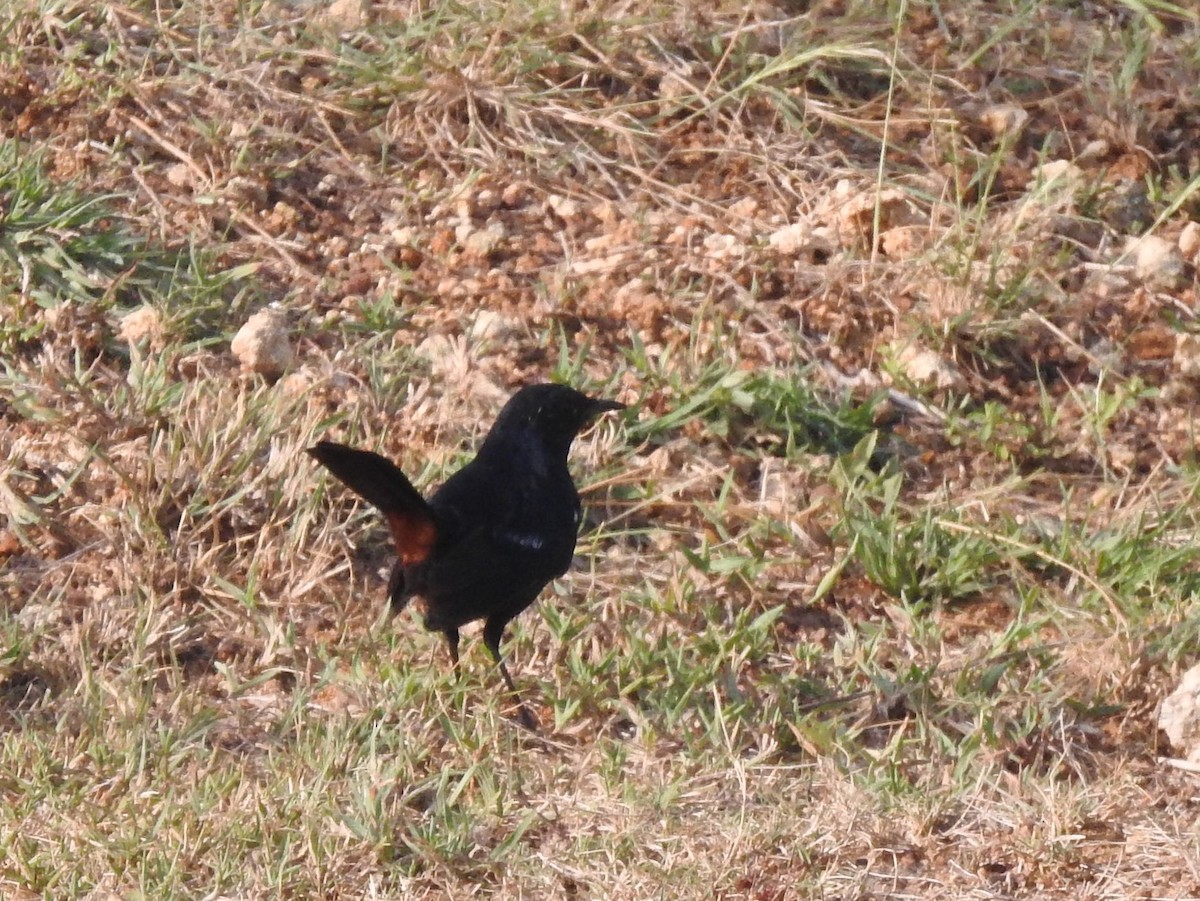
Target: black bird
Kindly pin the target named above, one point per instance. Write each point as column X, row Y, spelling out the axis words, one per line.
column 490, row 539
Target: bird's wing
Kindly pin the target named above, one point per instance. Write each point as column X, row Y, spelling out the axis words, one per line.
column 478, row 577
column 497, row 547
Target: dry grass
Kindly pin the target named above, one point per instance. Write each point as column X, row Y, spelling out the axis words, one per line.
column 838, row 628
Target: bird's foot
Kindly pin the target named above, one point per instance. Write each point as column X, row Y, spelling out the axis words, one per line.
column 526, row 718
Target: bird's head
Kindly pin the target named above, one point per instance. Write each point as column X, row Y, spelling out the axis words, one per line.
column 554, row 413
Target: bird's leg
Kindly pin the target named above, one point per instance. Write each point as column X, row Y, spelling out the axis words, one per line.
column 452, row 643
column 397, row 596
column 493, row 631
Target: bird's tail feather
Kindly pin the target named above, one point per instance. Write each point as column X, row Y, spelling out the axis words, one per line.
column 381, row 483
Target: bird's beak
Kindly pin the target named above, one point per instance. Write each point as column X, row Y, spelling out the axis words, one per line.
column 603, row 406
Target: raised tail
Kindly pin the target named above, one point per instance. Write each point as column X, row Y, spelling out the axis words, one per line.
column 381, row 483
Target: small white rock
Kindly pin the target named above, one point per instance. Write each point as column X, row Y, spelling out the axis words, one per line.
column 490, row 325
column 1179, row 716
column 262, row 344
column 513, row 194
column 294, row 384
column 343, row 14
column 483, row 242
column 1156, row 261
column 1056, row 169
column 904, row 242
column 722, row 247
column 775, row 494
column 247, row 192
column 1187, row 356
column 743, row 209
column 180, row 176
column 1095, row 149
column 1189, row 240
column 1105, row 356
column 143, row 324
column 928, row 368
column 1003, row 119
column 564, row 207
column 791, row 238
